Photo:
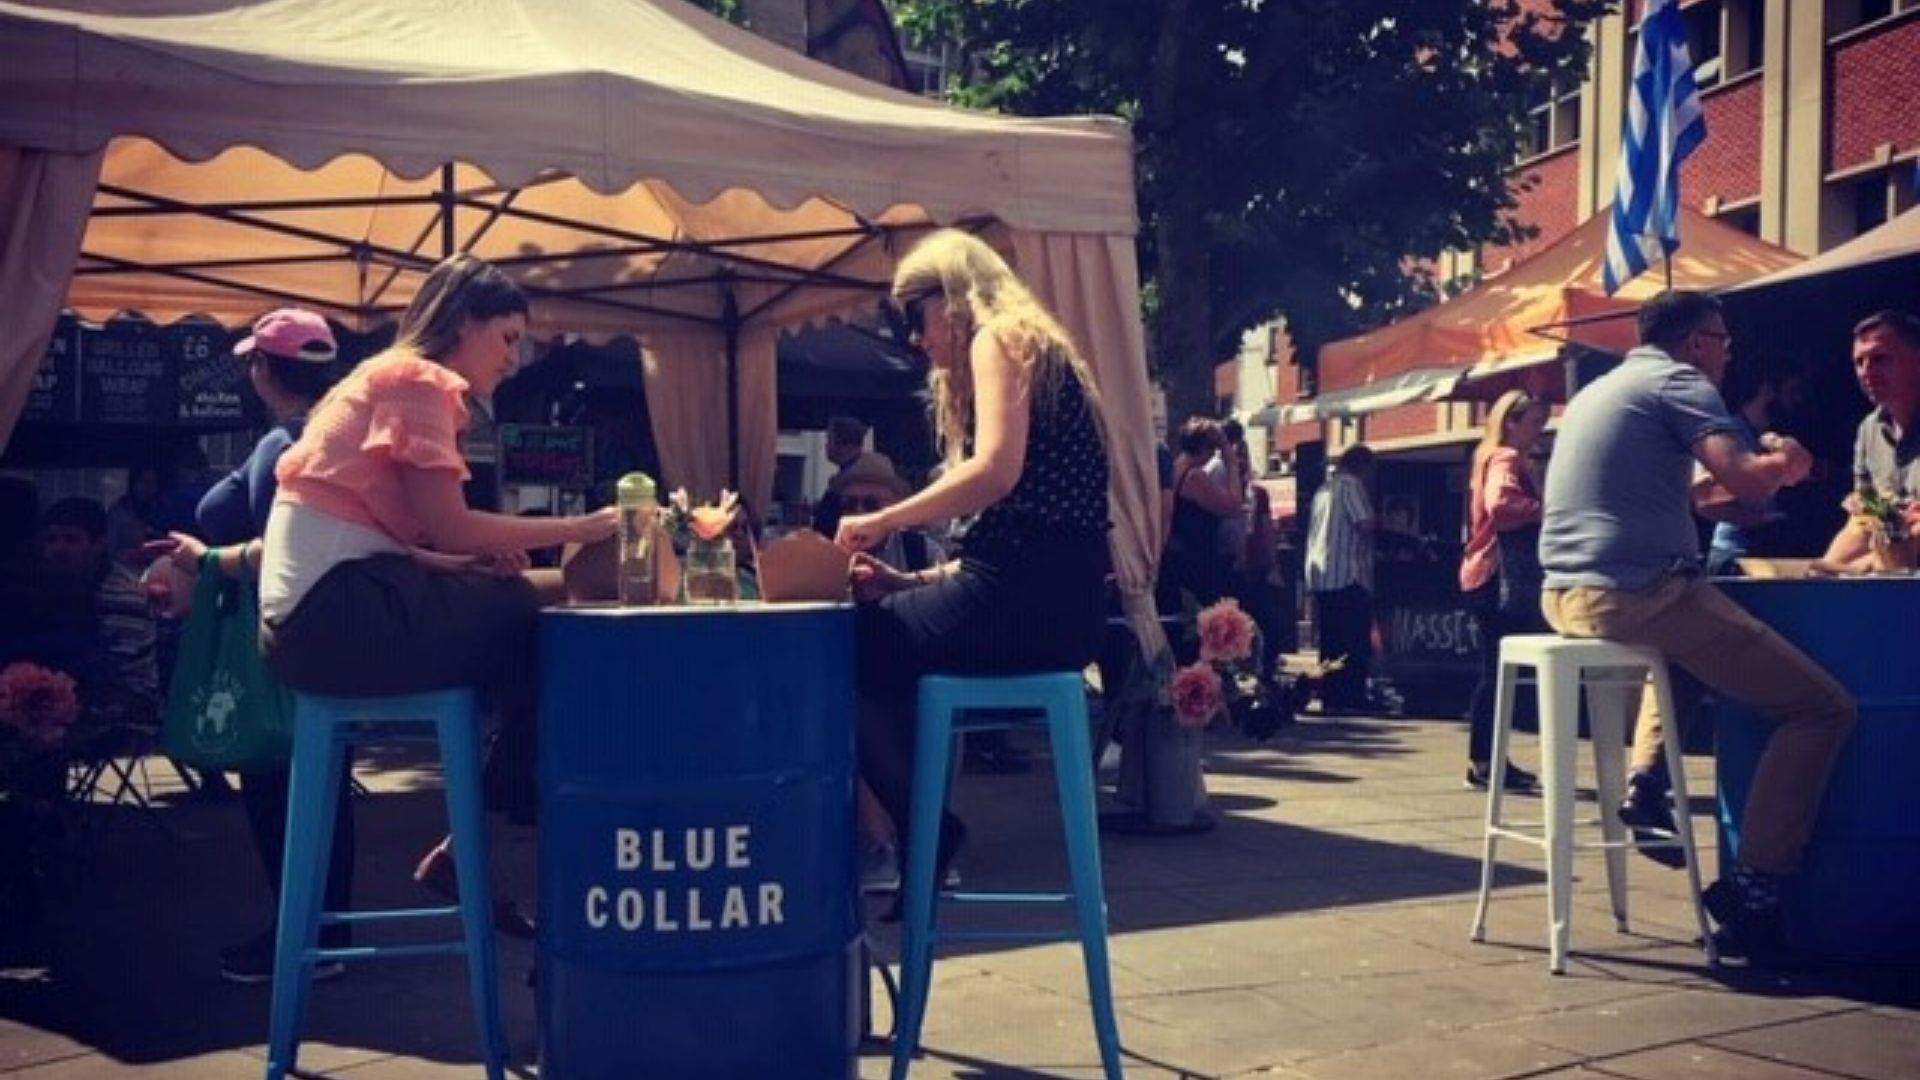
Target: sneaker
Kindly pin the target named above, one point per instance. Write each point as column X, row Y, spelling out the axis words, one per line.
column 1646, row 813
column 250, row 963
column 1517, row 779
column 1746, row 906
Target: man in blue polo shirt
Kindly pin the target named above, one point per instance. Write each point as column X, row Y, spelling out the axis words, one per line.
column 1622, row 562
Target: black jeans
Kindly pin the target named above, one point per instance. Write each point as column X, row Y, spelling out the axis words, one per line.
column 1346, row 629
column 387, row 625
column 1496, row 622
column 264, row 794
column 1263, row 602
column 1042, row 609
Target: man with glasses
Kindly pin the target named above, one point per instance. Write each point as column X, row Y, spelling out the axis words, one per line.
column 1622, row 561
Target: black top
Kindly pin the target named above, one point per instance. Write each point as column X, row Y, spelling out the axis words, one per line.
column 1062, row 493
column 1195, row 527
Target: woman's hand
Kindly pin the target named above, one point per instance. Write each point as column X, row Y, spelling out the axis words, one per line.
column 1911, row 516
column 863, row 532
column 506, row 564
column 182, row 550
column 444, row 563
column 873, row 579
column 594, row 527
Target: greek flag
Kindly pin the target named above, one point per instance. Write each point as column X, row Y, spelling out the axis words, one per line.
column 1664, row 125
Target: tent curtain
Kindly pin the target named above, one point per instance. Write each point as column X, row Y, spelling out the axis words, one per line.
column 686, row 379
column 1092, row 283
column 45, row 197
column 759, row 418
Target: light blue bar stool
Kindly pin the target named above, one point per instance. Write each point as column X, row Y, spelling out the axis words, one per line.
column 323, row 729
column 952, row 705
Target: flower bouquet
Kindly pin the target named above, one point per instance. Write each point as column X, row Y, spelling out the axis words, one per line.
column 37, row 710
column 704, row 532
column 1890, row 522
column 1225, row 681
column 37, row 706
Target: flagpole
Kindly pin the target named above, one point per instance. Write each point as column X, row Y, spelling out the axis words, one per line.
column 1666, row 267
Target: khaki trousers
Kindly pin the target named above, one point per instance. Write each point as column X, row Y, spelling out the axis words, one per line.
column 1695, row 626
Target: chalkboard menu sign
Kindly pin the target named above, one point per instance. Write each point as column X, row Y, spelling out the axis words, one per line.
column 54, row 395
column 213, row 381
column 126, row 377
column 129, row 372
column 542, row 456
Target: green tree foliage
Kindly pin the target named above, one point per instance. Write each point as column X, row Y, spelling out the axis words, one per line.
column 1294, row 157
column 731, row 10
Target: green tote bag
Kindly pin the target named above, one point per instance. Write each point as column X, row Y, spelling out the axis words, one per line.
column 225, row 710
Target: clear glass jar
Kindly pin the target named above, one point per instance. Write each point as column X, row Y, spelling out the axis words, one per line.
column 710, row 576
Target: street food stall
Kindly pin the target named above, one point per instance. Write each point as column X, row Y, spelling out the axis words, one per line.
column 1416, row 390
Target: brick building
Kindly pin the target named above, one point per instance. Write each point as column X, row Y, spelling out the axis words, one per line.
column 1812, row 140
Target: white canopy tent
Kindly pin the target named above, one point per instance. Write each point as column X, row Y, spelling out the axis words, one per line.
column 637, row 165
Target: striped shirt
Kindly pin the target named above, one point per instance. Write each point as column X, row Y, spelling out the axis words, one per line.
column 1339, row 549
column 126, row 632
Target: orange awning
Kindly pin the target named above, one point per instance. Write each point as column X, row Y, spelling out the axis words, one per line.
column 1492, row 326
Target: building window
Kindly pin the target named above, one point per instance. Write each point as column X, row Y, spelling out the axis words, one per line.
column 1704, row 40
column 1726, row 39
column 1847, row 15
column 927, row 70
column 1745, row 27
column 1844, row 16
column 1746, row 219
column 1882, row 194
column 1552, row 122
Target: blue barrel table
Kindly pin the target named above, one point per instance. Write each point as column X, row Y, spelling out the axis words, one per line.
column 1854, row 899
column 698, row 885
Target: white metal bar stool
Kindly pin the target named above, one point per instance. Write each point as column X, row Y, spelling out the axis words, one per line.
column 1606, row 670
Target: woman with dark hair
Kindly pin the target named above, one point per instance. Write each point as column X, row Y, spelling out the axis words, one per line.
column 1195, row 562
column 378, row 579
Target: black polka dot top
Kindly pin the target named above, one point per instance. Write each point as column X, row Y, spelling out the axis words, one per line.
column 1062, row 491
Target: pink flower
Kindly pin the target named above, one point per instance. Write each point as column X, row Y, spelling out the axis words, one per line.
column 38, row 703
column 1226, row 633
column 1196, row 695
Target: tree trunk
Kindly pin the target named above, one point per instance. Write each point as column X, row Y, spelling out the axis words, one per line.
column 1176, row 158
column 1183, row 327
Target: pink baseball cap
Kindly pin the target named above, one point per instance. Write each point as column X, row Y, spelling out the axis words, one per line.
column 290, row 333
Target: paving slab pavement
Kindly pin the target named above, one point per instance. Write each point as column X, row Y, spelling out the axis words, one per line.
column 1320, row 933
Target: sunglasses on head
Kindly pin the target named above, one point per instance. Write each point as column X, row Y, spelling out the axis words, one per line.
column 913, row 310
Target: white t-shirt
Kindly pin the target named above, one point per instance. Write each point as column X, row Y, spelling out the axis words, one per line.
column 302, row 544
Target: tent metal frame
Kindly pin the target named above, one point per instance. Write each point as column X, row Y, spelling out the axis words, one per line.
column 491, row 203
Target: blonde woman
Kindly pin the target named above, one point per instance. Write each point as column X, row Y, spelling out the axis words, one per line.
column 377, row 579
column 1500, row 573
column 1019, row 423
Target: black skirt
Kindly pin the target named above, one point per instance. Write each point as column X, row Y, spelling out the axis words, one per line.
column 1037, row 607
